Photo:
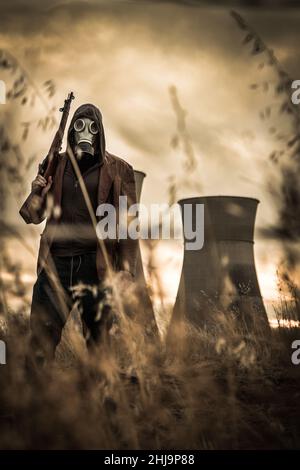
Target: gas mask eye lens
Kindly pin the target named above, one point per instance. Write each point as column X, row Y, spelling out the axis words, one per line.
column 79, row 125
column 93, row 128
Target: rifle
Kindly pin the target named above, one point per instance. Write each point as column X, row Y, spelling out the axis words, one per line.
column 49, row 164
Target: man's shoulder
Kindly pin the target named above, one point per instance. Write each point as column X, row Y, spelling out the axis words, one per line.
column 120, row 161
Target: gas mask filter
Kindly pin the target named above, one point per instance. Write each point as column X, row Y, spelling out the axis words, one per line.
column 85, row 131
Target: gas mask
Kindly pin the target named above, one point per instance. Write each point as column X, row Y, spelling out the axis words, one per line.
column 85, row 131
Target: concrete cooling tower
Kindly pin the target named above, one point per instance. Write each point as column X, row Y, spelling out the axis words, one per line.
column 222, row 275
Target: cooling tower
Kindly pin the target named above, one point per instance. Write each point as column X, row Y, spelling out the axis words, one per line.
column 221, row 275
column 139, row 180
column 146, row 310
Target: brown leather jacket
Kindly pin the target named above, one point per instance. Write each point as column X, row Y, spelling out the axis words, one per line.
column 116, row 179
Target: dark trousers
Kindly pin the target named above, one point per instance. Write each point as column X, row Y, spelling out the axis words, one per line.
column 77, row 281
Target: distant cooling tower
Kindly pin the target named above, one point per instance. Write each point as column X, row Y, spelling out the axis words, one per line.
column 222, row 274
column 139, row 177
column 147, row 309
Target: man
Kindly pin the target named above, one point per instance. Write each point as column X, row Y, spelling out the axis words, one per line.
column 72, row 264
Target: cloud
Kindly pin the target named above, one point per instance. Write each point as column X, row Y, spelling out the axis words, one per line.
column 123, row 55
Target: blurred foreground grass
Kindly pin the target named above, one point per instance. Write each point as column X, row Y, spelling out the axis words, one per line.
column 205, row 390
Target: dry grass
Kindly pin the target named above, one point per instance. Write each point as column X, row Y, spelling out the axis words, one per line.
column 205, row 390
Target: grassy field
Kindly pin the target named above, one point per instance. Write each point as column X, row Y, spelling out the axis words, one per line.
column 202, row 391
